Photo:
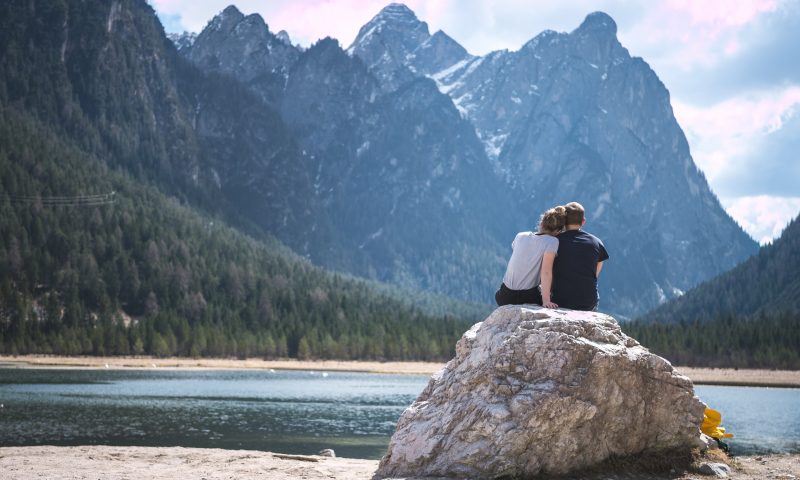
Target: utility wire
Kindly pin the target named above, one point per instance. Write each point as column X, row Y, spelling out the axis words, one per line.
column 64, row 201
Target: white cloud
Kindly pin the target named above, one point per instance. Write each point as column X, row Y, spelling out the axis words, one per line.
column 729, row 140
column 763, row 217
column 727, row 136
column 482, row 26
column 686, row 34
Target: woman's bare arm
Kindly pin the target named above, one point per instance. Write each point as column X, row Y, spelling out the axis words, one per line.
column 547, row 279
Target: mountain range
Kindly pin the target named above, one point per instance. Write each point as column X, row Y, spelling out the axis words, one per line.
column 423, row 160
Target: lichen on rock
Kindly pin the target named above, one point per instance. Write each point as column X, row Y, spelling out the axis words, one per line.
column 533, row 391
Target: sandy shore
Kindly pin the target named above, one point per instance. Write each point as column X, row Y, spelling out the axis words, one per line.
column 744, row 377
column 111, row 463
column 700, row 376
column 407, row 368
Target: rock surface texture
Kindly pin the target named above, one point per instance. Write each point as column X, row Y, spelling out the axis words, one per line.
column 533, row 391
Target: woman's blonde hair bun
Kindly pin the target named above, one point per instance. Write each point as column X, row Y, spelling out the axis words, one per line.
column 554, row 219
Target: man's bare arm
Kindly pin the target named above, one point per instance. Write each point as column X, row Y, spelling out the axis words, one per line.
column 599, row 267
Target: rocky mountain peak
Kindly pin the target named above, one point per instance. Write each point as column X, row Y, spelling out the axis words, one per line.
column 595, row 40
column 232, row 21
column 395, row 45
column 607, row 124
column 396, row 22
column 441, row 40
column 244, row 47
column 326, row 47
column 283, row 36
column 231, row 11
column 437, row 53
column 441, row 37
column 182, row 40
column 544, row 38
column 254, row 20
column 599, row 23
column 226, row 20
column 397, row 12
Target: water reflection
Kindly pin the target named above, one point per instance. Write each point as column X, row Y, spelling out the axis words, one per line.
column 294, row 412
column 291, row 412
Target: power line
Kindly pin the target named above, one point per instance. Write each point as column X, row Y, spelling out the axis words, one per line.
column 93, row 200
column 72, row 197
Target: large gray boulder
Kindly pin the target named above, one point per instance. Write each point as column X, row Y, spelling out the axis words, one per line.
column 533, row 391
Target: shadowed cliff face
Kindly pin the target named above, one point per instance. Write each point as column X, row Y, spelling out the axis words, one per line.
column 569, row 116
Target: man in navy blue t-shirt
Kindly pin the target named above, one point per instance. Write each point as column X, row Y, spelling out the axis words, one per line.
column 578, row 263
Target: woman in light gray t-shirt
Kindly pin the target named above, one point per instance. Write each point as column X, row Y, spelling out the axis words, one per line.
column 531, row 263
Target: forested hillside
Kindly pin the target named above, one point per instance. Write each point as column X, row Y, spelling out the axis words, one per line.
column 122, row 168
column 93, row 263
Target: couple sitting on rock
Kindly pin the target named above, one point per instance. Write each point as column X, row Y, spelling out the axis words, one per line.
column 557, row 266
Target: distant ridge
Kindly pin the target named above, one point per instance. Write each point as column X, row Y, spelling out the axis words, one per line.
column 764, row 285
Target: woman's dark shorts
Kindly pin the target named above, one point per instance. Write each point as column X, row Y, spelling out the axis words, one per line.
column 506, row 296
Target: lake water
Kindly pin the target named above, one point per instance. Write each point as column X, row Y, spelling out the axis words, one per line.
column 289, row 412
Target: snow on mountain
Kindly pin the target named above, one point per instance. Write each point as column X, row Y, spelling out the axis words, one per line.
column 182, row 40
column 395, row 44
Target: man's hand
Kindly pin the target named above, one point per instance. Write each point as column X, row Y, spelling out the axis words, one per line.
column 549, row 305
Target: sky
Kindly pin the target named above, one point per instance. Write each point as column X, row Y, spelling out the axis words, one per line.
column 730, row 66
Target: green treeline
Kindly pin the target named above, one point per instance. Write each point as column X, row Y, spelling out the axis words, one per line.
column 763, row 341
column 147, row 275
